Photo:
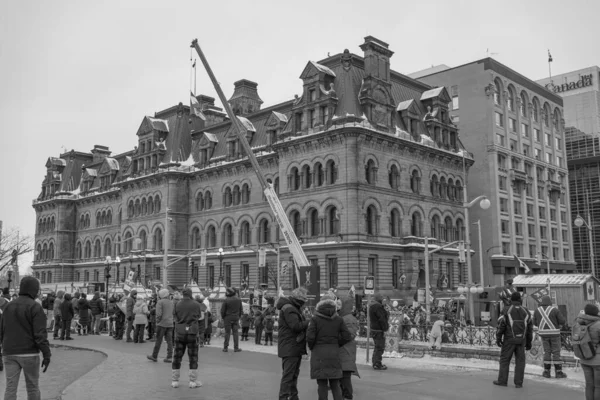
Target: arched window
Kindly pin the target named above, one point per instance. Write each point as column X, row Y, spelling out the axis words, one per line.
column 98, row 216
column 434, row 186
column 443, row 187
column 276, row 185
column 546, row 115
column 127, row 242
column 199, row 202
column 460, row 229
column 104, row 220
column 97, row 249
column 497, row 92
column 523, row 105
column 138, row 208
column 143, row 240
column 435, row 227
column 107, row 247
column 236, row 195
column 459, row 191
column 245, row 233
column 158, row 239
column 227, row 235
column 371, row 172
column 211, row 237
column 156, row 203
column 208, row 200
column 53, row 224
column 295, row 179
column 78, row 252
column 245, row 193
column 296, row 223
column 416, row 225
column 195, row 238
column 333, row 221
column 227, row 197
column 395, row 223
column 448, row 229
column 319, row 174
column 510, row 101
column 306, row 177
column 371, row 220
column 144, row 206
column 331, row 172
column 264, row 231
column 451, row 189
column 313, row 220
column 394, row 177
column 40, row 226
column 536, row 110
column 555, row 121
column 142, row 147
column 130, row 209
column 118, row 245
column 87, row 220
column 51, row 251
column 88, row 249
column 415, row 181
column 109, row 217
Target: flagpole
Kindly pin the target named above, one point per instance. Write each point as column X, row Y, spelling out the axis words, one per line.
column 549, row 64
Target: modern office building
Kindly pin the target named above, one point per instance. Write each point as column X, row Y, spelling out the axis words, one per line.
column 366, row 162
column 515, row 129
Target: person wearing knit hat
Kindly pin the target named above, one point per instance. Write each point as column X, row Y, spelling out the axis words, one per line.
column 548, row 319
column 231, row 311
column 164, row 326
column 589, row 319
column 514, row 336
column 291, row 341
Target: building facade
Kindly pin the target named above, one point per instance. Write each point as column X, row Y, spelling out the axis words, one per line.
column 366, row 162
column 515, row 129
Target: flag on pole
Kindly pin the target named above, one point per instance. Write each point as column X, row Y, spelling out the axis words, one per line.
column 196, row 108
column 549, row 56
column 522, row 264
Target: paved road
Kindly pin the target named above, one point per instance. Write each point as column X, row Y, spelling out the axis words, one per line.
column 254, row 376
column 66, row 367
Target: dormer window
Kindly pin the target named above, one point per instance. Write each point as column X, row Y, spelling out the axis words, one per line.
column 299, row 121
column 272, row 135
column 312, row 95
column 142, row 147
column 313, row 118
column 324, row 115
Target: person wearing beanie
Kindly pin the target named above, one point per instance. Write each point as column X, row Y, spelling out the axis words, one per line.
column 548, row 320
column 129, row 314
column 187, row 314
column 23, row 335
column 231, row 310
column 514, row 335
column 379, row 323
column 589, row 318
column 291, row 341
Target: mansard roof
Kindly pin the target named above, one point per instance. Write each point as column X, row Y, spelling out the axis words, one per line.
column 312, row 68
column 55, row 162
column 150, row 124
column 440, row 92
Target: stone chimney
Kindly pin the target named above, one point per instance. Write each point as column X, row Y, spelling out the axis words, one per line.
column 100, row 153
column 245, row 99
column 377, row 58
column 213, row 114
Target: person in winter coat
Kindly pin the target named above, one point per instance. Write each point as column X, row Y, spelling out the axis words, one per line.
column 140, row 319
column 208, row 327
column 348, row 351
column 129, row 314
column 151, row 326
column 230, row 313
column 164, row 326
column 326, row 333
column 119, row 319
column 548, row 320
column 66, row 313
column 84, row 314
column 202, row 320
column 56, row 312
column 591, row 367
column 435, row 337
column 3, row 304
column 514, row 335
column 48, row 305
column 187, row 314
column 245, row 324
column 75, row 302
column 24, row 335
column 96, row 308
column 268, row 320
column 110, row 311
column 291, row 341
column 379, row 317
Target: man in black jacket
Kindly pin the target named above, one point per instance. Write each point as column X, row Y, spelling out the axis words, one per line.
column 514, row 335
column 23, row 335
column 231, row 310
column 378, row 317
column 291, row 342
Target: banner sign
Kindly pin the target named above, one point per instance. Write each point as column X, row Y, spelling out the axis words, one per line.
column 310, row 278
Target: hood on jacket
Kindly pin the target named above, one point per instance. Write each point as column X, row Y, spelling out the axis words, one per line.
column 347, row 304
column 546, row 301
column 82, row 301
column 289, row 300
column 29, row 286
column 77, row 295
column 60, row 294
column 96, row 296
column 67, row 297
column 584, row 319
column 163, row 293
column 326, row 308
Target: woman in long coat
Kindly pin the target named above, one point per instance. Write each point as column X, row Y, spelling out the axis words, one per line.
column 348, row 351
column 325, row 335
column 84, row 314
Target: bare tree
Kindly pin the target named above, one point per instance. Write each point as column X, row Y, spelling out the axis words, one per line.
column 13, row 245
column 272, row 275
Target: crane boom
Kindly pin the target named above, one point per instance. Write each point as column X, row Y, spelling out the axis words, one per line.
column 280, row 216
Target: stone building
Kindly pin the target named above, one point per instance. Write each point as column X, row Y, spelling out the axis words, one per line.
column 366, row 161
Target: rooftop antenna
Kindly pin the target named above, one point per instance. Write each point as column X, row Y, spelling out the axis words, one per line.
column 487, row 51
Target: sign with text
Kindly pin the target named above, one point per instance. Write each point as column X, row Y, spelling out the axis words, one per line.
column 369, row 285
column 310, row 278
column 538, row 294
column 584, row 81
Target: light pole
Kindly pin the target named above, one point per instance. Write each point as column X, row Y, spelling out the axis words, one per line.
column 107, row 276
column 221, row 255
column 427, row 253
column 470, row 289
column 9, row 272
column 484, row 203
column 579, row 222
column 166, row 246
column 478, row 223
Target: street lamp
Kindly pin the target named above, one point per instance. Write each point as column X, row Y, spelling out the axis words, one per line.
column 579, row 222
column 220, row 255
column 9, row 272
column 470, row 289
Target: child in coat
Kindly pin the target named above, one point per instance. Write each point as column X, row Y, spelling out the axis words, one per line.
column 208, row 324
column 140, row 312
column 269, row 325
column 258, row 326
column 245, row 323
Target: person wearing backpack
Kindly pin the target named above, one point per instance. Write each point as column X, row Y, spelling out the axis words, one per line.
column 514, row 335
column 585, row 339
column 548, row 319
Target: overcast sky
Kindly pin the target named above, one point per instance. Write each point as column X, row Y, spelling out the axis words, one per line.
column 80, row 73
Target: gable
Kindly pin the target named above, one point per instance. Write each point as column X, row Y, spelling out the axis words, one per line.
column 109, row 165
column 440, row 93
column 208, row 139
column 408, row 106
column 276, row 120
column 150, row 124
column 313, row 68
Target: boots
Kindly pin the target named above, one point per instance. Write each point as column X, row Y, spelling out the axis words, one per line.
column 194, row 382
column 175, row 378
column 547, row 369
column 558, row 370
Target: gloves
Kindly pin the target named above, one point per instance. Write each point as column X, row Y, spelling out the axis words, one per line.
column 45, row 364
column 528, row 346
column 499, row 342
